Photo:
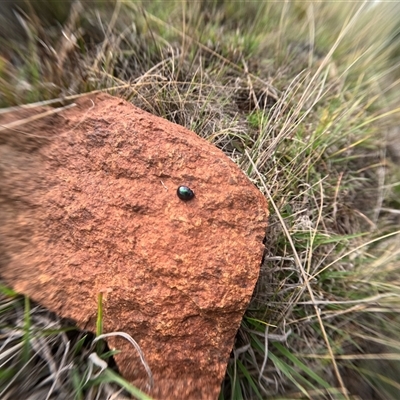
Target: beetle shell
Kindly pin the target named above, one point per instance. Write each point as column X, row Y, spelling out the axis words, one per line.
column 185, row 193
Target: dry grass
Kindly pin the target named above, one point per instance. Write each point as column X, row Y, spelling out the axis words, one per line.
column 301, row 97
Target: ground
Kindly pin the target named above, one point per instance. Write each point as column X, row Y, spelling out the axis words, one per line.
column 304, row 98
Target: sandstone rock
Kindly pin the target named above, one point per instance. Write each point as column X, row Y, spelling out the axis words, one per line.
column 88, row 204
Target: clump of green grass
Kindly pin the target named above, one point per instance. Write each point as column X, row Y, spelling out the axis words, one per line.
column 45, row 357
column 301, row 97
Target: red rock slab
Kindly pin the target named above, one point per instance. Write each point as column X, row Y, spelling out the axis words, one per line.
column 88, row 204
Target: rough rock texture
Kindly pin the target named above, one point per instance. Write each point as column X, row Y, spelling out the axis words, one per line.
column 88, row 204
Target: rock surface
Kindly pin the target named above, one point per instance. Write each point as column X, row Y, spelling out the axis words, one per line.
column 88, row 204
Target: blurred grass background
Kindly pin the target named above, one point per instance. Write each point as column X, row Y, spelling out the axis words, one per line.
column 303, row 96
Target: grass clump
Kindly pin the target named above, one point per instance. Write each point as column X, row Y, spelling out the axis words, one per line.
column 45, row 357
column 302, row 96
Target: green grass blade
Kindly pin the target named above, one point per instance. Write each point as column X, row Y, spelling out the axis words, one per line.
column 99, row 321
column 110, row 376
column 27, row 330
column 250, row 380
column 285, row 352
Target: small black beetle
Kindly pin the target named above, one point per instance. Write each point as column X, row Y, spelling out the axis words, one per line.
column 185, row 193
